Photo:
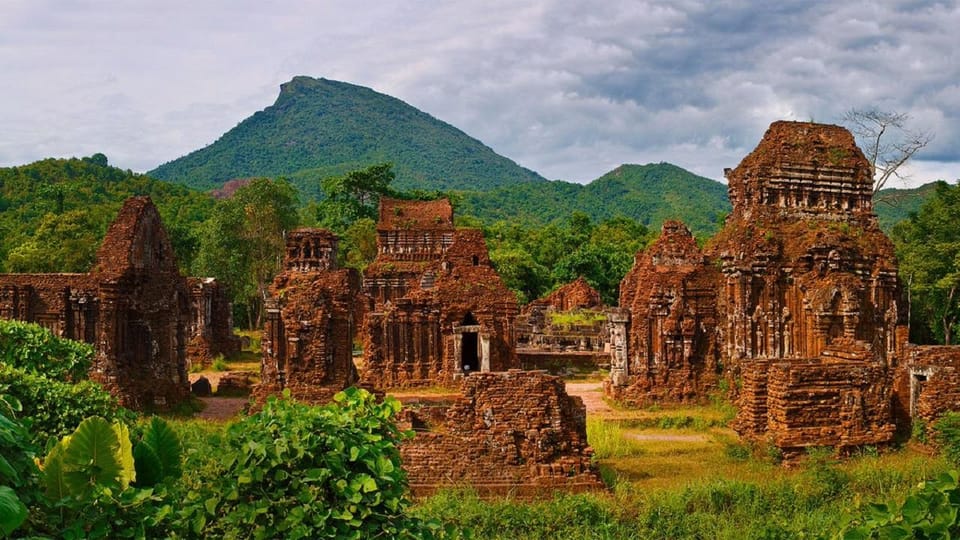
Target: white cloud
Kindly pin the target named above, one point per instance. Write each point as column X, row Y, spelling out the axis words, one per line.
column 569, row 88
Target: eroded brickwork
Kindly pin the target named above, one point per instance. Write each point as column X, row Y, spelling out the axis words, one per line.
column 928, row 383
column 564, row 331
column 672, row 343
column 312, row 317
column 440, row 310
column 134, row 307
column 515, row 433
column 211, row 322
column 797, row 298
column 808, row 301
column 841, row 399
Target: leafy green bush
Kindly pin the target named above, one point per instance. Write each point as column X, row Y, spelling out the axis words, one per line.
column 929, row 511
column 18, row 474
column 56, row 408
column 296, row 471
column 88, row 479
column 947, row 435
column 33, row 348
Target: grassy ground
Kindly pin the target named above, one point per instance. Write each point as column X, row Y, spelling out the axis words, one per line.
column 678, row 472
column 673, row 472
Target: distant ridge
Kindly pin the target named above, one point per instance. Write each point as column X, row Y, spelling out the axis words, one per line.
column 650, row 193
column 318, row 128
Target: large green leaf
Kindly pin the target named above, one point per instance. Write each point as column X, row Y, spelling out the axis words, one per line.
column 149, row 467
column 92, row 457
column 165, row 443
column 128, row 473
column 53, row 479
column 12, row 511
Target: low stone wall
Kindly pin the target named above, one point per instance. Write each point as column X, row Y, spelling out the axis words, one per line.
column 560, row 363
column 512, row 432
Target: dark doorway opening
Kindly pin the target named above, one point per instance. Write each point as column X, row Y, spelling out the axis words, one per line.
column 469, row 347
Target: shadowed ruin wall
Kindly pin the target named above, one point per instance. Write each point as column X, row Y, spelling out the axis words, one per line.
column 672, row 343
column 440, row 309
column 311, row 319
column 513, row 432
column 134, row 307
column 569, row 321
column 211, row 322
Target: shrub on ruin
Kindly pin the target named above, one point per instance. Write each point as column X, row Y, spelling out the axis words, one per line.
column 299, row 471
column 33, row 348
column 55, row 408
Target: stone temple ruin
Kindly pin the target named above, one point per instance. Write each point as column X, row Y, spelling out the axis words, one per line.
column 565, row 330
column 312, row 316
column 432, row 311
column 796, row 299
column 670, row 296
column 511, row 432
column 440, row 311
column 136, row 309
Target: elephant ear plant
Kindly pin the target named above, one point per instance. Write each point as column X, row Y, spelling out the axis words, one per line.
column 101, row 485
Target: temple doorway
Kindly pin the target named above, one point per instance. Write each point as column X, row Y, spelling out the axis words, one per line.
column 469, row 346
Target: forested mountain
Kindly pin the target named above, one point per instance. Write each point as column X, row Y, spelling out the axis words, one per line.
column 648, row 193
column 54, row 213
column 319, row 128
column 895, row 205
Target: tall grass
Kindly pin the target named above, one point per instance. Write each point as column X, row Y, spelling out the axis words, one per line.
column 609, row 440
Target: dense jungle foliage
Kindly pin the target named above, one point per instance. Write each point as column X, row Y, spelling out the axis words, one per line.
column 299, row 471
column 54, row 214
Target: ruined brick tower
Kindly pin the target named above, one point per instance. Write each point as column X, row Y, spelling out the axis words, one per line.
column 440, row 311
column 671, row 295
column 312, row 316
column 134, row 307
column 803, row 260
column 808, row 299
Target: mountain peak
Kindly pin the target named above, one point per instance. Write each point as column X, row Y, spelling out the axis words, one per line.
column 319, row 127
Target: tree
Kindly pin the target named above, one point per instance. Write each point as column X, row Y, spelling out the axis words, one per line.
column 928, row 246
column 886, row 141
column 242, row 242
column 355, row 195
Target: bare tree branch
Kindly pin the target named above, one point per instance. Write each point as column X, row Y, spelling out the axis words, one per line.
column 886, row 140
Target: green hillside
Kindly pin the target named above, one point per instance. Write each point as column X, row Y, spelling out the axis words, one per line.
column 54, row 213
column 895, row 205
column 319, row 128
column 649, row 193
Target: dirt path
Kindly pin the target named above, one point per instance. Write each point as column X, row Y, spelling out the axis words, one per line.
column 221, row 409
column 592, row 395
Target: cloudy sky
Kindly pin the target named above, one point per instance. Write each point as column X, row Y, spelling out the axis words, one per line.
column 568, row 88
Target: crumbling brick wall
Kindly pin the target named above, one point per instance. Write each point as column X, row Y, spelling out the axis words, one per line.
column 841, row 399
column 133, row 307
column 511, row 432
column 671, row 293
column 312, row 315
column 439, row 308
column 538, row 335
column 928, row 382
